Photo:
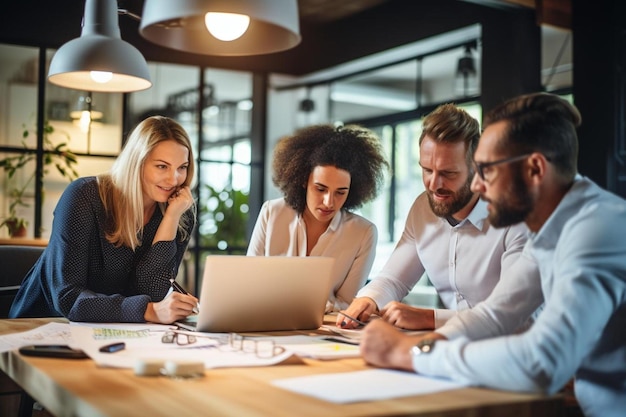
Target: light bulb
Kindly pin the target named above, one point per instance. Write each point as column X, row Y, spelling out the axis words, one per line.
column 226, row 26
column 101, row 76
column 85, row 121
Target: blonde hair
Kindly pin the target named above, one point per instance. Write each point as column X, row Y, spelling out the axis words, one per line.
column 121, row 189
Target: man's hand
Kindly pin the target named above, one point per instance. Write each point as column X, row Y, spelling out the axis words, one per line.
column 361, row 308
column 407, row 317
column 385, row 346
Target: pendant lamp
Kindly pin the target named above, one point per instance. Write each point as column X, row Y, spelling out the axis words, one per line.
column 466, row 74
column 222, row 27
column 100, row 60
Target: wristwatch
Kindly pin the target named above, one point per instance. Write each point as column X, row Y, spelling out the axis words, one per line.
column 423, row 347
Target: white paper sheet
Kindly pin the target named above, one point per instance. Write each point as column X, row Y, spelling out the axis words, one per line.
column 150, row 348
column 368, row 385
column 143, row 342
column 317, row 347
column 51, row 333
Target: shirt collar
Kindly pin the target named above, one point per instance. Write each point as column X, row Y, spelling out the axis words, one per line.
column 477, row 216
column 570, row 204
column 336, row 221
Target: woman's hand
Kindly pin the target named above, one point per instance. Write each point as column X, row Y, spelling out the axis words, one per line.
column 175, row 306
column 179, row 202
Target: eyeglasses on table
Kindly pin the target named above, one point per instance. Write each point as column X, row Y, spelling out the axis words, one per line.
column 231, row 342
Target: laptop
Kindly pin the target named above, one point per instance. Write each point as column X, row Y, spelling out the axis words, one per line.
column 262, row 293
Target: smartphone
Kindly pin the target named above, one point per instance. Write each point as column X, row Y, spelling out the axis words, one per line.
column 53, row 351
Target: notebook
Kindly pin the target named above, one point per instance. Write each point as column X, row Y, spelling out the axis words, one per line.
column 262, row 293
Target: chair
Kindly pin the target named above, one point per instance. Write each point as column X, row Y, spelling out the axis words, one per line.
column 15, row 262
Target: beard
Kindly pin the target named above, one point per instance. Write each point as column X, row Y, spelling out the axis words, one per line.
column 460, row 199
column 511, row 207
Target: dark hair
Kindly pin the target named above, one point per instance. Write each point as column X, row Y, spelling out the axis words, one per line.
column 540, row 122
column 351, row 148
column 451, row 124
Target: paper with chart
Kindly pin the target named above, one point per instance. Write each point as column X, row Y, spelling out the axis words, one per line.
column 143, row 343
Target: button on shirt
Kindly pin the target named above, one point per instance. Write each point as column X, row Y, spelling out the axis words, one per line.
column 581, row 253
column 463, row 262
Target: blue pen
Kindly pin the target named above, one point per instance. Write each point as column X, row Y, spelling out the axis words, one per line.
column 113, row 347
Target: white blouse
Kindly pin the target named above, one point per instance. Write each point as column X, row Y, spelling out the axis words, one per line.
column 349, row 238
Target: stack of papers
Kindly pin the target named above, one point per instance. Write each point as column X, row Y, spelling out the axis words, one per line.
column 143, row 342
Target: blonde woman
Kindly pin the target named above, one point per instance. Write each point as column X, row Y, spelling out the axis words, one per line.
column 118, row 238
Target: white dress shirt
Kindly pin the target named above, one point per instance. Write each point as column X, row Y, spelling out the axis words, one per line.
column 463, row 262
column 349, row 238
column 581, row 253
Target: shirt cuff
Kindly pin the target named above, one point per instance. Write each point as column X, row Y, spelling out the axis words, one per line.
column 432, row 363
column 442, row 315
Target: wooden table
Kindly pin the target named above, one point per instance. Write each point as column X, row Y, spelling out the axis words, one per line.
column 80, row 388
column 23, row 241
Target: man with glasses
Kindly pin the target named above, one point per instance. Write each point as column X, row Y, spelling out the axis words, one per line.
column 447, row 236
column 526, row 170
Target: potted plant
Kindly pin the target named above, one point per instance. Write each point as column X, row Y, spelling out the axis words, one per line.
column 59, row 156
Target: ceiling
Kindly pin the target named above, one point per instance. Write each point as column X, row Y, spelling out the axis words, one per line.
column 333, row 31
column 551, row 12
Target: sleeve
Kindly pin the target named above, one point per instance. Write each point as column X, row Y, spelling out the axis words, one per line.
column 510, row 305
column 585, row 272
column 401, row 272
column 359, row 270
column 514, row 242
column 74, row 228
column 77, row 241
column 161, row 262
column 256, row 247
column 442, row 315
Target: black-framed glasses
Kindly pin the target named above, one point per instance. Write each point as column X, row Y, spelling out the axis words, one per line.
column 479, row 167
column 231, row 342
column 181, row 339
column 262, row 348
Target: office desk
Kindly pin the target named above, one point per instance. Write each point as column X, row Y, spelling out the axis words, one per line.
column 23, row 241
column 79, row 388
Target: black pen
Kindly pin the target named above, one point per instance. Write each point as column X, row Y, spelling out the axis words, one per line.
column 176, row 287
column 113, row 347
column 362, row 323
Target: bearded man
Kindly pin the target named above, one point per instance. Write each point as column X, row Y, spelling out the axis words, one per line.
column 447, row 235
column 526, row 170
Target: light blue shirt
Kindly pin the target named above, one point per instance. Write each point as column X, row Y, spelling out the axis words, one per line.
column 581, row 332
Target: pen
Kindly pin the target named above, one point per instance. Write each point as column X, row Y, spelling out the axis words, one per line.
column 176, row 286
column 362, row 323
column 113, row 347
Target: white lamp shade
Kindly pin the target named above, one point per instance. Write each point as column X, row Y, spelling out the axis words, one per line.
column 100, row 48
column 180, row 25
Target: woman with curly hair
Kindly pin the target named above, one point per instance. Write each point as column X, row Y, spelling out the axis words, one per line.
column 324, row 172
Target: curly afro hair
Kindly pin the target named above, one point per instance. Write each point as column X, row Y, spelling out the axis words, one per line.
column 352, row 148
